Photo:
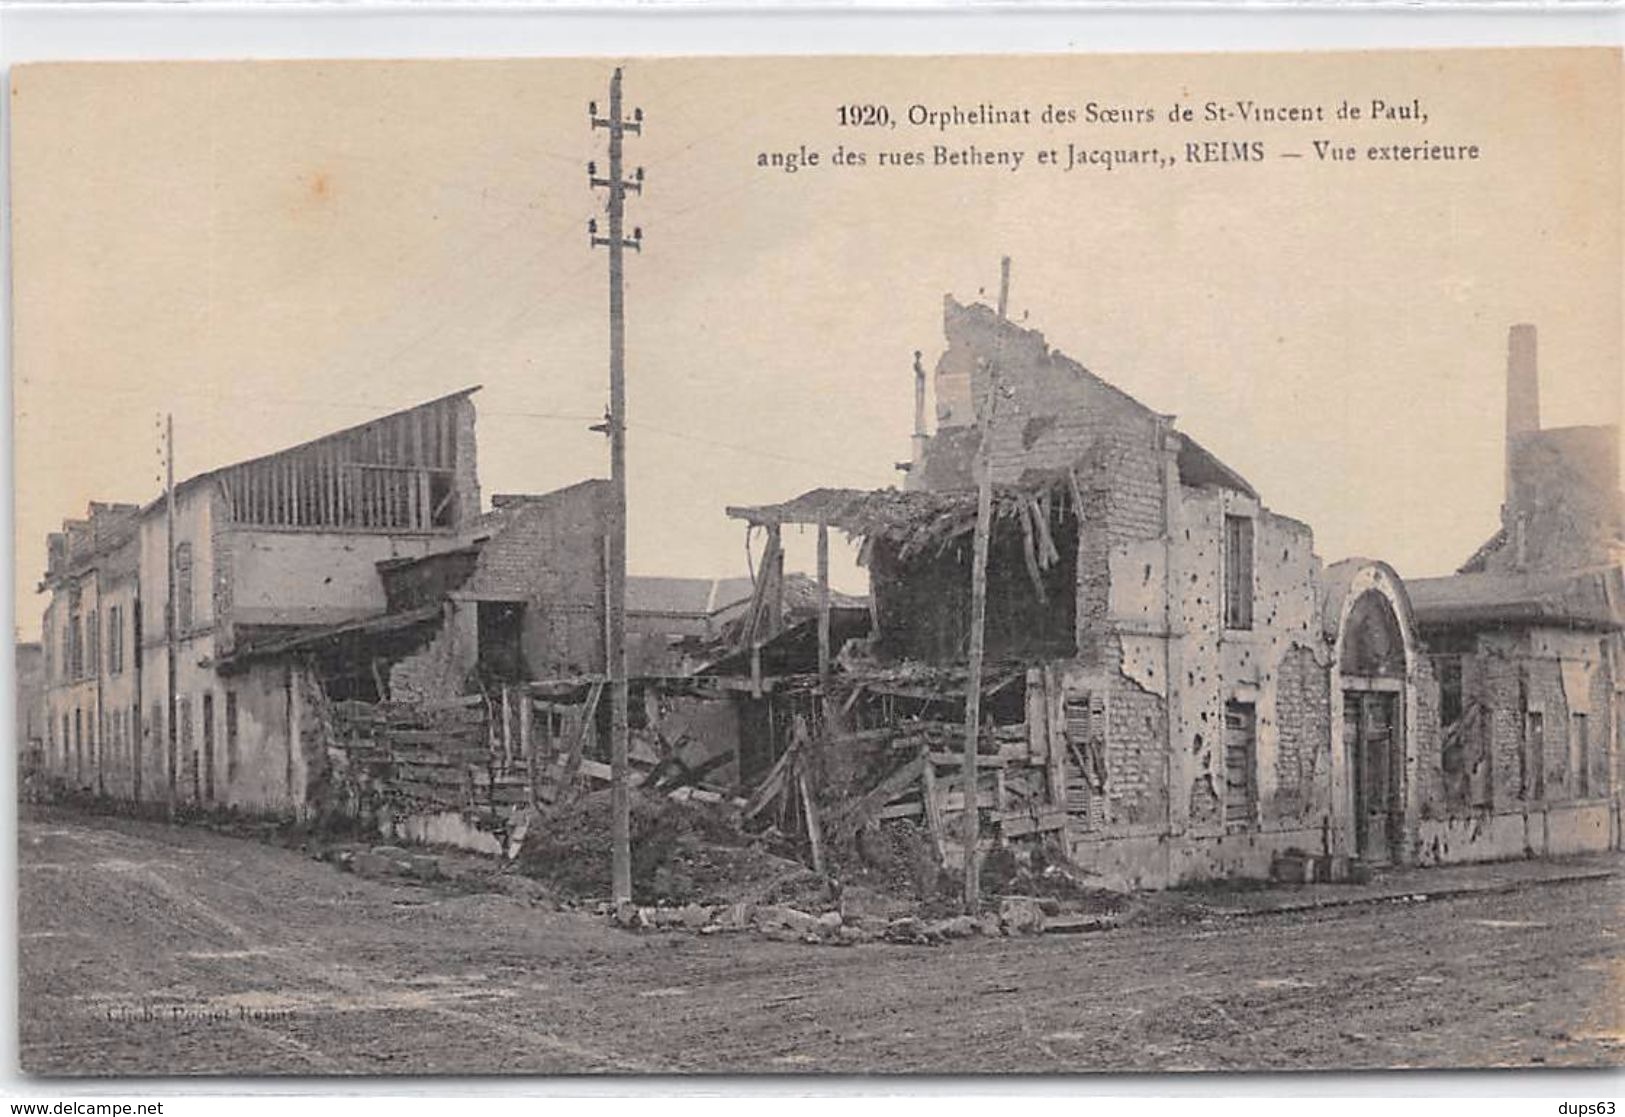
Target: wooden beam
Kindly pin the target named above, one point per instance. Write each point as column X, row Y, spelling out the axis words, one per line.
column 809, row 808
column 824, row 673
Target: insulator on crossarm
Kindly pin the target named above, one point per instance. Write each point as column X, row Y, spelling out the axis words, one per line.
column 592, row 226
column 637, row 115
column 592, row 108
column 592, row 169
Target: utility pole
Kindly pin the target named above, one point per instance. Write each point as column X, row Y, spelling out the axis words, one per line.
column 171, row 618
column 617, row 242
column 978, row 606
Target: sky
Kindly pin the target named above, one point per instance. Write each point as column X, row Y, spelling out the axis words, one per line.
column 271, row 251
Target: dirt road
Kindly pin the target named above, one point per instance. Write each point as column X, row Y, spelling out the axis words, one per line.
column 150, row 950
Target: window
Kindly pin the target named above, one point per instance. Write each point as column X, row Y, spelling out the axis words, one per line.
column 1240, row 781
column 183, row 722
column 208, row 747
column 93, row 643
column 1238, row 572
column 501, row 656
column 1448, row 668
column 183, row 587
column 1580, row 754
column 163, row 745
column 231, row 735
column 115, row 639
column 1085, row 768
column 76, row 649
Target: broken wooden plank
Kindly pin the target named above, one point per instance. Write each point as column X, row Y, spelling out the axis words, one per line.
column 809, row 807
column 1015, row 824
column 573, row 760
column 956, row 759
column 933, row 811
column 773, row 784
column 954, row 801
column 858, row 813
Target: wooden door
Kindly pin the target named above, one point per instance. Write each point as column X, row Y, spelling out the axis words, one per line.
column 1370, row 733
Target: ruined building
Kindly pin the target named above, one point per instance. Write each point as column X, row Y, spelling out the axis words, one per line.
column 353, row 633
column 1525, row 643
column 262, row 550
column 1177, row 687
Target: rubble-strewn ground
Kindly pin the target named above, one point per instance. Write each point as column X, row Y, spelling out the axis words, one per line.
column 149, row 949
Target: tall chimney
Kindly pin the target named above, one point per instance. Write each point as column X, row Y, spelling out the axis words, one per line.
column 919, row 409
column 1523, row 391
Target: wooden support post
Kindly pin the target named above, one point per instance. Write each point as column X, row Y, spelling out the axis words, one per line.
column 978, row 607
column 825, row 677
column 527, row 743
column 931, row 804
column 810, row 808
column 504, row 711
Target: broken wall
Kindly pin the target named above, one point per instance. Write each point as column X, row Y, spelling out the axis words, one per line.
column 1565, row 493
column 1053, row 410
column 1525, row 779
column 548, row 551
column 923, row 604
column 441, row 669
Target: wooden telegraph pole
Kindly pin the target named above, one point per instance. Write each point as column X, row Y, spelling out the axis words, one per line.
column 617, row 242
column 171, row 614
column 978, row 609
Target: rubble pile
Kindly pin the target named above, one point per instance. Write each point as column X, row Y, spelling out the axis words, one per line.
column 683, row 851
column 841, row 926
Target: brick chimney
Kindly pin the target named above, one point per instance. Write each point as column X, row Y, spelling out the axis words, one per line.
column 1523, row 391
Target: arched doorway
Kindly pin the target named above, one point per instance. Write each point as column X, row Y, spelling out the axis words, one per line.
column 1372, row 666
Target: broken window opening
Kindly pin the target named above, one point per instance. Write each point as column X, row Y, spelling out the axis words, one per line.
column 1084, row 728
column 1238, row 572
column 1240, row 764
column 501, row 657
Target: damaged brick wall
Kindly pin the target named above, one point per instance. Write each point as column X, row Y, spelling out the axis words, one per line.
column 441, row 669
column 1303, row 712
column 1136, row 754
column 1425, row 734
column 549, row 553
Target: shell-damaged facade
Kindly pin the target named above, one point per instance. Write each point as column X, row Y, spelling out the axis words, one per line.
column 1192, row 693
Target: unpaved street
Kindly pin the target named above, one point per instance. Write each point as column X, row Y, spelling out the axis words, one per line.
column 149, row 950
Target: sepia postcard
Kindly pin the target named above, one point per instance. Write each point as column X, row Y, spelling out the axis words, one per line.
column 846, row 565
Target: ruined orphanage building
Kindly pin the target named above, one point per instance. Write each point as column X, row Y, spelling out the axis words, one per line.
column 1177, row 687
